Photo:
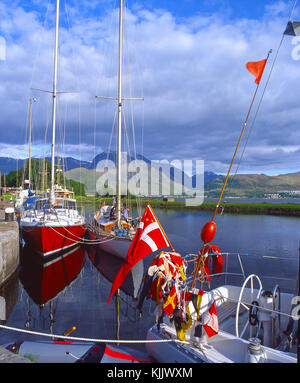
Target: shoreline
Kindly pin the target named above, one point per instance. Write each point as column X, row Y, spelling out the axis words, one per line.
column 285, row 209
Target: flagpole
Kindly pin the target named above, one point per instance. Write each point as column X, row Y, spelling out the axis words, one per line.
column 200, row 257
column 148, row 203
column 237, row 146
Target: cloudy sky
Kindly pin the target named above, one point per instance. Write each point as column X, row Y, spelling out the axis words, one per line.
column 185, row 58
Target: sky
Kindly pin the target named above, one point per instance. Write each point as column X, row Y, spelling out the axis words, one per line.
column 186, row 59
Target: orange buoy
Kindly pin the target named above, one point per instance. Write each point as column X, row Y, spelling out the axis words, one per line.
column 208, row 232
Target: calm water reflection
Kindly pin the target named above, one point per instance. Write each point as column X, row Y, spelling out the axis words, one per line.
column 72, row 289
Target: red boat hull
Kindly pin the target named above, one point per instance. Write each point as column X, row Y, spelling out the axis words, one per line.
column 47, row 240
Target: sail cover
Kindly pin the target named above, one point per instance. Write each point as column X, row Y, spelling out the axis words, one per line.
column 292, row 28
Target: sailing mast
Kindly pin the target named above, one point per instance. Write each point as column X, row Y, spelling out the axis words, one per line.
column 31, row 100
column 54, row 94
column 119, row 100
column 118, row 207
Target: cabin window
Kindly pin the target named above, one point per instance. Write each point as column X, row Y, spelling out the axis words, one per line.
column 41, row 204
column 70, row 205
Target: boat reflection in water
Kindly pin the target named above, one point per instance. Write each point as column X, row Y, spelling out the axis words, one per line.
column 109, row 265
column 44, row 280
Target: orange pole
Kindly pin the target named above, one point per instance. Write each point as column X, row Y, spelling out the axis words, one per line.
column 226, row 179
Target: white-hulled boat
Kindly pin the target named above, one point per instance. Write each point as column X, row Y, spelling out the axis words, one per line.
column 54, row 223
column 252, row 325
column 227, row 323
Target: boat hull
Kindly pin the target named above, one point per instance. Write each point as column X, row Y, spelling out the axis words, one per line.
column 47, row 240
column 116, row 246
column 60, row 351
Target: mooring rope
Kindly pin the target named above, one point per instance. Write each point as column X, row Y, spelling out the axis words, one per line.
column 92, row 340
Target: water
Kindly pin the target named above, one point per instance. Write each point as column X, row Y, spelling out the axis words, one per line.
column 72, row 290
column 255, row 200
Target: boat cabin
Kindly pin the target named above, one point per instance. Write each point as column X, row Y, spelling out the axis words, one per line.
column 60, row 203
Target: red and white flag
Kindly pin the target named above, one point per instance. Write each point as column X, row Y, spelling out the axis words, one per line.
column 210, row 320
column 148, row 238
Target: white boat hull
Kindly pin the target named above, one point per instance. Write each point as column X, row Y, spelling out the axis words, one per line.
column 222, row 348
column 110, row 244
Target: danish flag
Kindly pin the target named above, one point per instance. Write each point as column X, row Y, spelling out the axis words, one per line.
column 148, row 238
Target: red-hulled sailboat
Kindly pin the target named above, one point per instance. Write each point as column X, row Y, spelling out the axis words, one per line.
column 53, row 223
column 48, row 229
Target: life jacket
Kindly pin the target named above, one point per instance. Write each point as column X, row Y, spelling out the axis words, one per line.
column 213, row 262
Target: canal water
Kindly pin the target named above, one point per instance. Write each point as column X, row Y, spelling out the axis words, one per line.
column 72, row 289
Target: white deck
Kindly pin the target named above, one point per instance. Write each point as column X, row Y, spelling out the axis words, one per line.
column 225, row 347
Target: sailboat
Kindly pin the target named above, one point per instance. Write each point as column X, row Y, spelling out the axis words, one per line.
column 54, row 222
column 109, row 228
column 204, row 317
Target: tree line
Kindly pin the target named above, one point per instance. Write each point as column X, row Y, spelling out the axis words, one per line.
column 40, row 177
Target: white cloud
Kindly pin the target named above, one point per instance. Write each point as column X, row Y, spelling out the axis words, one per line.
column 191, row 73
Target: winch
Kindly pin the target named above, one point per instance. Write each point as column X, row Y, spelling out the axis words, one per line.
column 255, row 352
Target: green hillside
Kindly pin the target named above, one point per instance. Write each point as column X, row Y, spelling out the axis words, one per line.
column 240, row 185
column 253, row 185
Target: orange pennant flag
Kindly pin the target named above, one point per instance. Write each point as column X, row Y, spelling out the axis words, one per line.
column 257, row 69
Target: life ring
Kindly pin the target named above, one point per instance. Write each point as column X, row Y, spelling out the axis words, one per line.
column 213, row 263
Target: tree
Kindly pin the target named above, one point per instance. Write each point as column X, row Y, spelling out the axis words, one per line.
column 40, row 177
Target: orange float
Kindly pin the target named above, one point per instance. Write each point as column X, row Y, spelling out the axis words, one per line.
column 208, row 232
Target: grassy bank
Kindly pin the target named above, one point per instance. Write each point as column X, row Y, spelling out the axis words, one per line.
column 289, row 209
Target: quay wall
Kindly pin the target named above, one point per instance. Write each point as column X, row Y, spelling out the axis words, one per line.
column 9, row 245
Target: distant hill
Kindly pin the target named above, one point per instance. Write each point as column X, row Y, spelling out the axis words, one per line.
column 253, row 185
column 70, row 164
column 91, row 177
column 240, row 185
column 8, row 164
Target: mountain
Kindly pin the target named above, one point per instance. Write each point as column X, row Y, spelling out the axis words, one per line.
column 254, row 185
column 7, row 164
column 240, row 185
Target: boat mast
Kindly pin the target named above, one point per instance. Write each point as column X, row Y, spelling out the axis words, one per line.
column 31, row 100
column 52, row 196
column 118, row 208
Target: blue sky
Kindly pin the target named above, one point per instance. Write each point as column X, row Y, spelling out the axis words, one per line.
column 186, row 58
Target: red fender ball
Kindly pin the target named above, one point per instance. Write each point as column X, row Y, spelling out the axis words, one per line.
column 208, row 232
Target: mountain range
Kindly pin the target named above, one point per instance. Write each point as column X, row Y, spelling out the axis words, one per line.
column 7, row 164
column 239, row 185
column 256, row 185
